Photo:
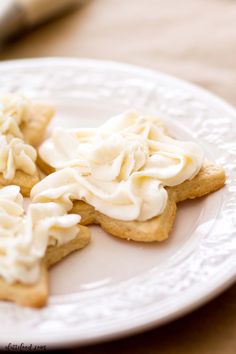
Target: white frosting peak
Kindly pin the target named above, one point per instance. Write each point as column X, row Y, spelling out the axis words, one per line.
column 15, row 154
column 24, row 238
column 15, row 106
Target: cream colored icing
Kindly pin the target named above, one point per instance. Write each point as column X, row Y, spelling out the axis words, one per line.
column 24, row 237
column 120, row 168
column 14, row 110
column 16, row 155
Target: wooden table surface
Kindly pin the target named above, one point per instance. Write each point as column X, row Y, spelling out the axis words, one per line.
column 192, row 39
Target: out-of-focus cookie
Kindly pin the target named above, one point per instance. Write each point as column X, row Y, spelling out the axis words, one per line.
column 35, row 127
column 22, row 125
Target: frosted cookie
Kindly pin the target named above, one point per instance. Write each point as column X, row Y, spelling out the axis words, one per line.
column 17, row 164
column 32, row 242
column 22, row 123
column 126, row 175
column 23, row 118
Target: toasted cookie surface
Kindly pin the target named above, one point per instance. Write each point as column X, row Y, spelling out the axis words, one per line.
column 23, row 180
column 34, row 128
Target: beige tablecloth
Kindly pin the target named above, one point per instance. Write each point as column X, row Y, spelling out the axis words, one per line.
column 192, row 39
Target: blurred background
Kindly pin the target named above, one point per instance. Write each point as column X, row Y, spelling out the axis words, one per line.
column 192, row 39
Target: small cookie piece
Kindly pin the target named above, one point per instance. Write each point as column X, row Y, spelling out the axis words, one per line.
column 56, row 254
column 17, row 164
column 210, row 178
column 36, row 295
column 23, row 118
column 33, row 131
column 23, row 180
column 22, row 123
column 155, row 229
column 31, row 242
column 34, row 128
column 44, row 167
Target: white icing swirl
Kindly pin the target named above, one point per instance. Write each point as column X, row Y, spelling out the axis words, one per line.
column 16, row 155
column 121, row 168
column 137, row 198
column 14, row 111
column 24, row 238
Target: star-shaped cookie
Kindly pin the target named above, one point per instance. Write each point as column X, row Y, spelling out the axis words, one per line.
column 30, row 244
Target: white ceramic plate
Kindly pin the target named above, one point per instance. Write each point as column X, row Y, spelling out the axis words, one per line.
column 113, row 287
